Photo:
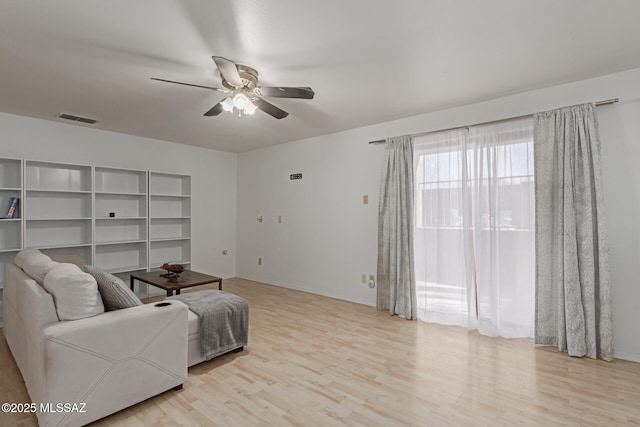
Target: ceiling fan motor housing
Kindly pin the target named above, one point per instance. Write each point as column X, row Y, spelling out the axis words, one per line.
column 248, row 75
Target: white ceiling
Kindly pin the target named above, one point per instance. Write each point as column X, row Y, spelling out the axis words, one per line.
column 368, row 61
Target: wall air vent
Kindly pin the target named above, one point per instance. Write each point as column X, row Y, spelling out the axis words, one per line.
column 73, row 118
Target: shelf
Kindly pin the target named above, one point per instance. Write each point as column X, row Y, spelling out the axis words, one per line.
column 55, row 204
column 125, row 230
column 116, row 218
column 10, row 219
column 44, row 190
column 60, row 219
column 121, row 257
column 177, row 196
column 58, row 232
column 123, row 205
column 170, row 217
column 119, row 181
column 83, row 251
column 57, row 177
column 10, row 235
column 169, row 250
column 81, row 245
column 121, row 242
column 10, row 250
column 169, row 239
column 10, row 174
column 126, row 269
column 119, row 193
column 159, row 265
column 169, row 184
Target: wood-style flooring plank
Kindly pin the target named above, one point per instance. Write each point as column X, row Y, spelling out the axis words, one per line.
column 317, row 361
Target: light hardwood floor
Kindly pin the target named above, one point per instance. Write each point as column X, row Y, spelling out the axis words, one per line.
column 316, row 361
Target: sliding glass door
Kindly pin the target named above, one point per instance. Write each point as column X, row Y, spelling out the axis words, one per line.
column 474, row 228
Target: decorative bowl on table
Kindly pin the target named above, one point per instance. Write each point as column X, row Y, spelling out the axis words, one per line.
column 173, row 270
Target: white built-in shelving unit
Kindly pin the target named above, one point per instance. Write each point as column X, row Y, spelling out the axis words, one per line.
column 10, row 229
column 170, row 218
column 121, row 220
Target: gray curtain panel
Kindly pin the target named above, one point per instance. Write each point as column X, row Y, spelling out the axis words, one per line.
column 396, row 276
column 573, row 302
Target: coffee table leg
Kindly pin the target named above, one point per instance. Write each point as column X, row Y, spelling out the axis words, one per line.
column 131, row 281
column 220, row 285
column 169, row 293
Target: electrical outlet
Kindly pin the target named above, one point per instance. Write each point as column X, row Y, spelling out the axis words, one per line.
column 259, row 261
column 225, row 252
column 364, row 278
column 279, row 219
column 372, row 277
column 365, row 199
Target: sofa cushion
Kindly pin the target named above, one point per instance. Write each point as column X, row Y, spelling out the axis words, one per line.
column 23, row 255
column 75, row 293
column 114, row 292
column 37, row 265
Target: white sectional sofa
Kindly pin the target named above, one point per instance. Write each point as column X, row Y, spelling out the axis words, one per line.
column 102, row 363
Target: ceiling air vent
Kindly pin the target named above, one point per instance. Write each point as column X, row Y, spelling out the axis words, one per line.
column 77, row 118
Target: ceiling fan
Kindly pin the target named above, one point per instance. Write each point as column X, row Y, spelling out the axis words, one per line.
column 246, row 96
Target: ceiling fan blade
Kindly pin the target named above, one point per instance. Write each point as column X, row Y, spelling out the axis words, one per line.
column 284, row 92
column 270, row 109
column 189, row 84
column 229, row 71
column 217, row 109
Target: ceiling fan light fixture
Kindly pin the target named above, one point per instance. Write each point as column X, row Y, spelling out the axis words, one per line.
column 250, row 108
column 240, row 101
column 227, row 104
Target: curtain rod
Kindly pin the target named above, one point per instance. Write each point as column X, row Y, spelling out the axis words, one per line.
column 599, row 103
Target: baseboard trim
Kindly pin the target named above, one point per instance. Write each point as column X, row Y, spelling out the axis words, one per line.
column 626, row 356
column 296, row 288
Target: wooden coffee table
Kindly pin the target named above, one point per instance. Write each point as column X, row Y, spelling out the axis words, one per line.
column 187, row 279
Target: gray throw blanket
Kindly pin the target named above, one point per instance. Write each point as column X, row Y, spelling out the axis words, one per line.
column 223, row 320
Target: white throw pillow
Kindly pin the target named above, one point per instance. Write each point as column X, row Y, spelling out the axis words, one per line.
column 37, row 265
column 75, row 293
column 23, row 255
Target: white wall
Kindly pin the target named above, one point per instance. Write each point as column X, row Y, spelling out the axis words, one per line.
column 213, row 175
column 328, row 238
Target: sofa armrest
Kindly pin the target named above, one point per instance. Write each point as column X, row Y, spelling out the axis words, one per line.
column 114, row 360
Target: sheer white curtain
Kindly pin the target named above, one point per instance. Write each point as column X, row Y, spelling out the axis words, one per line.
column 474, row 228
